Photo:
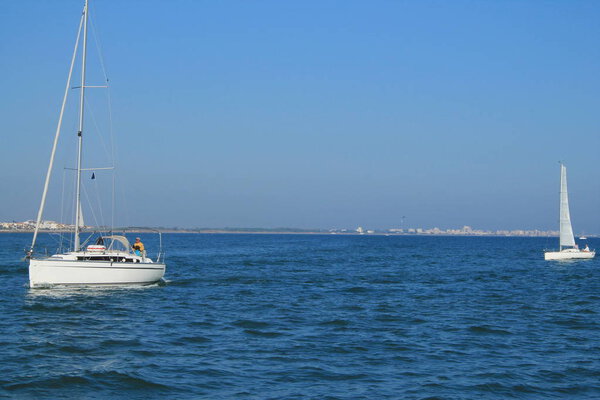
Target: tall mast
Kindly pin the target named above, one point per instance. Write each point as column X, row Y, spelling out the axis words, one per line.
column 561, row 209
column 80, row 132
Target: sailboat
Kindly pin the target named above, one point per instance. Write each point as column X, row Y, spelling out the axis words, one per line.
column 568, row 248
column 110, row 260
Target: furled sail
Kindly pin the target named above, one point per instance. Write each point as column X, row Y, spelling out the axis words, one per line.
column 566, row 230
column 81, row 223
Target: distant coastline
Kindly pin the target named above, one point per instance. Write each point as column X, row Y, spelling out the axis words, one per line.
column 291, row 231
column 56, row 227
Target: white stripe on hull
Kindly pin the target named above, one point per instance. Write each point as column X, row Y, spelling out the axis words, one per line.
column 63, row 272
column 568, row 255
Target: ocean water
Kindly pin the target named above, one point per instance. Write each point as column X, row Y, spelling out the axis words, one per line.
column 311, row 317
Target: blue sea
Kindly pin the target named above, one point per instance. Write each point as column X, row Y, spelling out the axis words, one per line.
column 311, row 317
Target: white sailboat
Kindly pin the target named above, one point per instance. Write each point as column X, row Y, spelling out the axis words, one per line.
column 110, row 260
column 568, row 248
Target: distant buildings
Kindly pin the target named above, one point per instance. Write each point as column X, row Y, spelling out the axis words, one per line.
column 468, row 231
column 28, row 226
column 464, row 231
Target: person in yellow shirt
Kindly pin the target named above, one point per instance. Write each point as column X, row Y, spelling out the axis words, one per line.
column 138, row 247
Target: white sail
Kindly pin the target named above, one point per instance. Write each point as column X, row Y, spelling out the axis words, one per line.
column 81, row 222
column 567, row 239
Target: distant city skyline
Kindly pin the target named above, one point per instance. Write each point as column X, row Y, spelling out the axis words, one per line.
column 311, row 114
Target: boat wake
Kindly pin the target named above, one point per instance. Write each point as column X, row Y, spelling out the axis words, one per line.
column 64, row 291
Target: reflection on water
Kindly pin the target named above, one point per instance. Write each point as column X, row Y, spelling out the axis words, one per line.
column 68, row 291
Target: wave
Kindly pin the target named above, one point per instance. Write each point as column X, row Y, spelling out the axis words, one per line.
column 192, row 339
column 13, row 270
column 328, row 375
column 65, row 292
column 246, row 323
column 120, row 343
column 89, row 380
column 486, row 329
column 357, row 289
column 256, row 332
column 335, row 322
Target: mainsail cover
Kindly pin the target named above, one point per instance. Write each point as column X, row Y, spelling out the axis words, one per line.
column 566, row 230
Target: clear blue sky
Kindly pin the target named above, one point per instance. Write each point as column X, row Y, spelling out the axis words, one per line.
column 318, row 113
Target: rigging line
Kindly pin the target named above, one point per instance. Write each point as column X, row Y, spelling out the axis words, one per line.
column 124, row 202
column 90, row 111
column 110, row 117
column 99, row 202
column 88, row 238
column 69, row 188
column 89, row 203
column 113, row 154
column 62, row 206
column 74, row 209
column 103, row 66
column 108, row 154
column 98, row 46
column 69, row 243
column 112, row 218
column 52, row 236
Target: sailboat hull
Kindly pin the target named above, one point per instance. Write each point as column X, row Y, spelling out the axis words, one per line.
column 48, row 272
column 570, row 254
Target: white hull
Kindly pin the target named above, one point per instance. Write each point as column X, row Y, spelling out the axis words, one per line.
column 570, row 254
column 48, row 272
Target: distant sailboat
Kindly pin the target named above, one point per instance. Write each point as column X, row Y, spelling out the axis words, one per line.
column 568, row 248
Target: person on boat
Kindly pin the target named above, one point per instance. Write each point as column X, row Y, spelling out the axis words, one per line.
column 587, row 248
column 138, row 247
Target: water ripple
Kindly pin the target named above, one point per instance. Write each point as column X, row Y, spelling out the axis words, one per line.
column 311, row 317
